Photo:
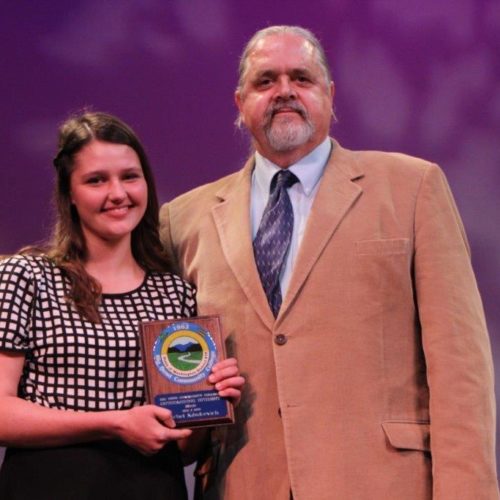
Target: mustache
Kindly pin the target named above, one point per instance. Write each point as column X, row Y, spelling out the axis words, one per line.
column 275, row 107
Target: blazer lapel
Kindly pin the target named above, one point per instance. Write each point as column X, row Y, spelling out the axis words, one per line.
column 232, row 219
column 336, row 195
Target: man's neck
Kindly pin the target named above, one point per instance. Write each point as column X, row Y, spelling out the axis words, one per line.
column 285, row 159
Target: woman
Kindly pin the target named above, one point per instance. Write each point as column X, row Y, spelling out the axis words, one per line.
column 72, row 410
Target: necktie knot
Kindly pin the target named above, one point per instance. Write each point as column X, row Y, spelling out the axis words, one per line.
column 283, row 179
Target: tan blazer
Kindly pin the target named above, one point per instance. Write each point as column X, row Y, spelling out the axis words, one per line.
column 375, row 382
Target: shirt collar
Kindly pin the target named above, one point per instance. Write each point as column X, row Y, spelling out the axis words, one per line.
column 308, row 169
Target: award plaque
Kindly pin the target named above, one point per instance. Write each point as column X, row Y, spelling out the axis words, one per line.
column 177, row 357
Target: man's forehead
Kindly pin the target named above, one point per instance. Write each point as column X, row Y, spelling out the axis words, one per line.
column 281, row 42
column 282, row 48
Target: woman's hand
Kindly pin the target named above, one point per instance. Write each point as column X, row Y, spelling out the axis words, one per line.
column 148, row 428
column 23, row 423
column 228, row 382
column 227, row 379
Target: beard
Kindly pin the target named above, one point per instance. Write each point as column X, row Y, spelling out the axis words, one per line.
column 286, row 134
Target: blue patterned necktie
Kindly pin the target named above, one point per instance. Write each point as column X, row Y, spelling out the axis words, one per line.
column 273, row 237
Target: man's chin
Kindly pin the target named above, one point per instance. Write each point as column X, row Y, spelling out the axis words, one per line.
column 286, row 146
column 287, row 140
column 285, row 117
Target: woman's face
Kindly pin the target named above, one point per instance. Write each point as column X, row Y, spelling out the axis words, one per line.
column 108, row 190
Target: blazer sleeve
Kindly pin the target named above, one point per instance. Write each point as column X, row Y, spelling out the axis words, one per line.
column 166, row 238
column 457, row 349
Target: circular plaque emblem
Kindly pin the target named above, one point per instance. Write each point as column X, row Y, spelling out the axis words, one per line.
column 184, row 353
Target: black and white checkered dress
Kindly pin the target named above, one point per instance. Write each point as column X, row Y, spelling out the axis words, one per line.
column 72, row 363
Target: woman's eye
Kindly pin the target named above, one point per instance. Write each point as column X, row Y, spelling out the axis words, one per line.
column 94, row 180
column 131, row 176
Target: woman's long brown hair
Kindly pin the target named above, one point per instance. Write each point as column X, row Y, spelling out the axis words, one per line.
column 67, row 248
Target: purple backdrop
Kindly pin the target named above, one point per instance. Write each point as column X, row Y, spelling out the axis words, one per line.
column 417, row 77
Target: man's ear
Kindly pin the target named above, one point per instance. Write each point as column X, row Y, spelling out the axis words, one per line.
column 237, row 99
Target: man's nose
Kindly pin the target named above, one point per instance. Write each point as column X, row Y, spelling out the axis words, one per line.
column 285, row 89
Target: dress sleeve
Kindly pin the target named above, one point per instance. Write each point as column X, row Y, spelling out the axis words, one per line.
column 17, row 293
column 189, row 305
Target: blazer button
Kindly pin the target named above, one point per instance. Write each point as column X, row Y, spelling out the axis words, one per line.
column 280, row 339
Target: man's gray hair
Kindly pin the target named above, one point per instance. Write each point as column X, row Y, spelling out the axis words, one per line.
column 283, row 30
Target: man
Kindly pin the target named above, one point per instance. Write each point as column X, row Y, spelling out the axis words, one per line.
column 347, row 294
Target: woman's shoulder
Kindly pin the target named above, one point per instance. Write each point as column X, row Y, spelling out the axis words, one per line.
column 168, row 279
column 175, row 291
column 26, row 273
column 26, row 263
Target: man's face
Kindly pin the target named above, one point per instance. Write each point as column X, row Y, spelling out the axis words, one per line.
column 285, row 99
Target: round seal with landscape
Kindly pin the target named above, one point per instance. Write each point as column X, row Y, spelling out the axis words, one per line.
column 184, row 353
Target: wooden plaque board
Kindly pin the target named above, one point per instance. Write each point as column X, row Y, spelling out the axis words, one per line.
column 177, row 358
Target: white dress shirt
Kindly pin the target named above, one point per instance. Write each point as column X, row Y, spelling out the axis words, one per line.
column 309, row 171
